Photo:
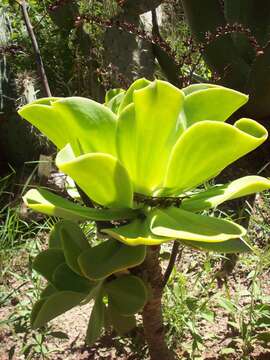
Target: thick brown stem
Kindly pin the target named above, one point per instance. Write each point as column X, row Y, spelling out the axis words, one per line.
column 39, row 61
column 152, row 312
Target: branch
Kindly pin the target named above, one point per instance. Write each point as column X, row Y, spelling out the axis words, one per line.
column 171, row 263
column 39, row 61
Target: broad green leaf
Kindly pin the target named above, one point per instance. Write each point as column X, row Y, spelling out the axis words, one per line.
column 96, row 321
column 113, row 99
column 115, row 102
column 147, row 130
column 54, row 237
column 227, row 247
column 100, row 176
column 47, row 261
column 216, row 103
column 86, row 124
column 73, row 243
column 206, row 148
column 112, row 93
column 136, row 85
column 51, row 307
column 36, row 309
column 218, row 194
column 109, row 257
column 136, row 233
column 127, row 294
column 48, row 203
column 121, row 324
column 48, row 291
column 185, row 225
column 42, row 115
column 197, row 87
column 65, row 279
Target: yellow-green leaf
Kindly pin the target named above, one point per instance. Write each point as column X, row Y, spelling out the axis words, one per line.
column 46, row 202
column 218, row 194
column 136, row 233
column 100, row 176
column 185, row 225
column 206, row 148
column 147, row 130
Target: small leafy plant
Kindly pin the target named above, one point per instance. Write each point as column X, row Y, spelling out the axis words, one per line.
column 141, row 163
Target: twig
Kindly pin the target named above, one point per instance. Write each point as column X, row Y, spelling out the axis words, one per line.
column 39, row 61
column 172, row 260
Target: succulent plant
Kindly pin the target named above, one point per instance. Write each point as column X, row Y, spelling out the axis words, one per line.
column 146, row 159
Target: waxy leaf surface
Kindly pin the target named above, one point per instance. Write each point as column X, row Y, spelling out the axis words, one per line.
column 87, row 125
column 109, row 257
column 215, row 103
column 181, row 224
column 48, row 203
column 136, row 233
column 147, row 130
column 218, row 194
column 100, row 176
column 206, row 148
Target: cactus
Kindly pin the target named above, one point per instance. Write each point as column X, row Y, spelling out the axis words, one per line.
column 239, row 51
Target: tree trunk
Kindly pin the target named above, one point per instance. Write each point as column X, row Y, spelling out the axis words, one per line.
column 152, row 312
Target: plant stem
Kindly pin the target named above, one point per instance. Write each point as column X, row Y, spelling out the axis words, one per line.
column 39, row 61
column 171, row 263
column 152, row 312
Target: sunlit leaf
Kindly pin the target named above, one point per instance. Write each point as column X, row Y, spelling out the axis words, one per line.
column 195, row 160
column 218, row 194
column 197, row 87
column 100, row 176
column 114, row 98
column 215, row 103
column 136, row 233
column 185, row 225
column 146, row 133
column 136, row 85
column 48, row 203
column 86, row 124
column 109, row 257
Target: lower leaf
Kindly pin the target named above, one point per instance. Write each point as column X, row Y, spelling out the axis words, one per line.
column 185, row 225
column 96, row 321
column 49, row 308
column 109, row 257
